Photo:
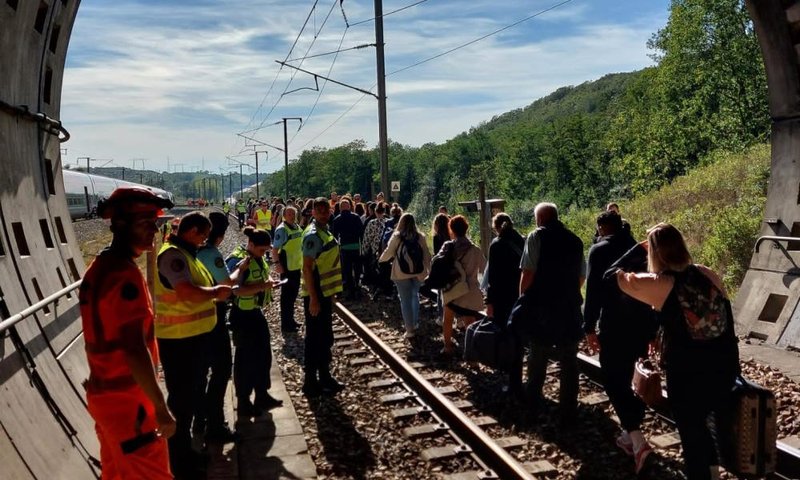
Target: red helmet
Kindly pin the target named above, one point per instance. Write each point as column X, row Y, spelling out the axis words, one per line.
column 131, row 200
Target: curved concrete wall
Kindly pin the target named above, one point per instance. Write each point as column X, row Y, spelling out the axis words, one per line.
column 767, row 303
column 45, row 432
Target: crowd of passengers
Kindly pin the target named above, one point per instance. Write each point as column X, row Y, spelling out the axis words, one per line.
column 630, row 308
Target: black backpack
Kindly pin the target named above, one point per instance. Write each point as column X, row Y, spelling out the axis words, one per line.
column 443, row 273
column 409, row 256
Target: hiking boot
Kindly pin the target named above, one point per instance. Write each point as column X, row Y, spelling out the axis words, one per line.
column 312, row 389
column 330, row 385
column 266, row 403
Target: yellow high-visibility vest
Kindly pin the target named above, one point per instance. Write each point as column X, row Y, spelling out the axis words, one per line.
column 180, row 318
column 258, row 274
column 326, row 266
column 293, row 247
column 263, row 219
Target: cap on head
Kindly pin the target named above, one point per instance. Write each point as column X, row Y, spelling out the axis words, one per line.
column 131, row 201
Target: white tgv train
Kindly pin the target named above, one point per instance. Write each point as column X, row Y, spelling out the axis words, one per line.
column 83, row 191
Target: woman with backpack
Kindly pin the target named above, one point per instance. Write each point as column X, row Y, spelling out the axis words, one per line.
column 464, row 300
column 699, row 350
column 412, row 259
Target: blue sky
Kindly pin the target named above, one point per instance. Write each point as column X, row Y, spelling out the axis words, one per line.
column 178, row 79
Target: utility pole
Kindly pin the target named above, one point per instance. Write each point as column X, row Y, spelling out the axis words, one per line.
column 230, row 182
column 241, row 182
column 286, row 152
column 88, row 161
column 382, row 133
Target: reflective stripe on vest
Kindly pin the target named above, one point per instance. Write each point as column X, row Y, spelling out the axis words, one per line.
column 327, row 264
column 263, row 219
column 257, row 274
column 293, row 247
column 177, row 318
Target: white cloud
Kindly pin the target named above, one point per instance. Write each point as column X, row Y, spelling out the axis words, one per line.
column 163, row 80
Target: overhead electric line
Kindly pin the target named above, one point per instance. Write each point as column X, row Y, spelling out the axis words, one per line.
column 479, row 38
column 357, row 47
column 389, row 13
column 272, row 85
column 363, row 95
column 322, row 89
column 294, row 74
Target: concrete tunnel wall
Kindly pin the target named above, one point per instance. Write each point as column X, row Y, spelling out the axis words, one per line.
column 45, row 431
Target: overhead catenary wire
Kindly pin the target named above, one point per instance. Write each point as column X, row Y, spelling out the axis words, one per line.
column 322, row 89
column 388, row 13
column 463, row 45
column 357, row 47
column 277, row 74
column 294, row 74
column 346, row 112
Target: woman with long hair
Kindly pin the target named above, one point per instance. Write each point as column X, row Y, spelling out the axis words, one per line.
column 253, row 358
column 440, row 231
column 701, row 363
column 464, row 303
column 412, row 260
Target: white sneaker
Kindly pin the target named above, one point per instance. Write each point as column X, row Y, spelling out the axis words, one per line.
column 409, row 334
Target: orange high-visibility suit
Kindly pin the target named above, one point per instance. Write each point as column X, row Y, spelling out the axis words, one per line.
column 114, row 294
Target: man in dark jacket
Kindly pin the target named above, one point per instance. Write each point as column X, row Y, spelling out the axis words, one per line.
column 347, row 228
column 626, row 327
column 553, row 271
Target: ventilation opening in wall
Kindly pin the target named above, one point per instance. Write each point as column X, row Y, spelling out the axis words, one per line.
column 39, row 294
column 48, row 172
column 73, row 269
column 48, row 239
column 22, row 242
column 48, row 85
column 12, row 3
column 773, row 308
column 795, row 244
column 62, row 236
column 54, row 34
column 41, row 16
column 63, row 282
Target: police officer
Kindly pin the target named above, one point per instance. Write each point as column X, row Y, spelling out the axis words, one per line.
column 226, row 208
column 287, row 257
column 241, row 212
column 132, row 418
column 185, row 314
column 250, row 330
column 322, row 280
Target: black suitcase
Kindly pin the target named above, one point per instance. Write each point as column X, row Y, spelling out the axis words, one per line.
column 747, row 439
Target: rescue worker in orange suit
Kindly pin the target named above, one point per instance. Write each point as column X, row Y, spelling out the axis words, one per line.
column 132, row 418
column 185, row 316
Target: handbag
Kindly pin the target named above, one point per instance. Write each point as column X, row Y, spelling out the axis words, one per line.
column 646, row 382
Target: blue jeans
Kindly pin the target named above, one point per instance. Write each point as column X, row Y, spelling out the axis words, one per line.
column 408, row 291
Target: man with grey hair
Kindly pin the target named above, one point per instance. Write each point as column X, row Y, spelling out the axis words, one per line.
column 553, row 271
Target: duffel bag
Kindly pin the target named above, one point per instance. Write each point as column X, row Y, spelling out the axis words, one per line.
column 489, row 344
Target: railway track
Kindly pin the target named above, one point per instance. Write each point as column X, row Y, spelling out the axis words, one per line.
column 448, row 426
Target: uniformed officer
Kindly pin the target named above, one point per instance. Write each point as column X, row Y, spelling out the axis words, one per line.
column 253, row 358
column 211, row 414
column 287, row 258
column 241, row 212
column 132, row 418
column 262, row 216
column 185, row 314
column 322, row 280
column 226, row 208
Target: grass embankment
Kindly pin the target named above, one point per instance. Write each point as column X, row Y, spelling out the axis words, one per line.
column 718, row 207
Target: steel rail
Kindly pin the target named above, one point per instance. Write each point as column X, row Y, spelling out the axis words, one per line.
column 482, row 445
column 54, row 298
column 788, row 461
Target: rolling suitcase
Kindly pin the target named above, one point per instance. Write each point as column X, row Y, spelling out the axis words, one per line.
column 747, row 439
